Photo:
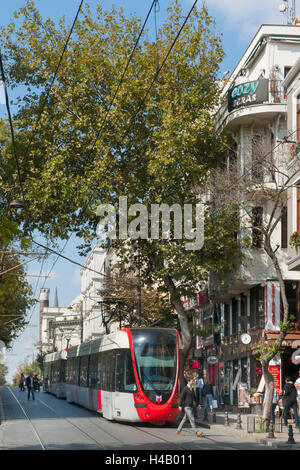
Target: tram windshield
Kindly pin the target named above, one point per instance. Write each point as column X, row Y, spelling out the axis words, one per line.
column 156, row 358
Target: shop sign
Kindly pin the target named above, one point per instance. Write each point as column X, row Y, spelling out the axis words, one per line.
column 248, row 93
column 275, row 371
column 195, row 364
column 212, row 359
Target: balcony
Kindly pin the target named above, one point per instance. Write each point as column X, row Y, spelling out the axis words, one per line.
column 266, row 106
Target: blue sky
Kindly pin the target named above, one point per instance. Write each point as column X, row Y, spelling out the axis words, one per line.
column 237, row 20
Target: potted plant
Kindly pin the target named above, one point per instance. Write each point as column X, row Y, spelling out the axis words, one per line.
column 295, row 239
column 294, row 149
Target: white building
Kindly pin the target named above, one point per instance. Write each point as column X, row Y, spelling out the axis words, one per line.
column 253, row 110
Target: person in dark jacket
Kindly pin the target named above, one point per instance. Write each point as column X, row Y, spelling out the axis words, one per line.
column 30, row 386
column 186, row 402
column 289, row 401
column 208, row 394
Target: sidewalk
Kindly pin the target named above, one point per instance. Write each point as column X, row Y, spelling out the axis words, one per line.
column 280, row 441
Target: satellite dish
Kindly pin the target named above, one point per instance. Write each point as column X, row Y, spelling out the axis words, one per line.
column 282, row 8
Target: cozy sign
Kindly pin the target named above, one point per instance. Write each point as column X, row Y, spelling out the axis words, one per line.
column 248, row 93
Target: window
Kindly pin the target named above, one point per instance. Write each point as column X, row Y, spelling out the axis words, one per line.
column 234, row 316
column 72, row 371
column 258, row 155
column 106, row 371
column 93, row 370
column 298, row 117
column 284, row 236
column 125, row 380
column 257, row 306
column 298, row 208
column 84, row 366
column 257, row 220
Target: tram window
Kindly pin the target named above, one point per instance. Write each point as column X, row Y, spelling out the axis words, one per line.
column 119, row 372
column 84, row 363
column 93, row 371
column 129, row 379
column 72, row 370
column 106, row 371
column 63, row 370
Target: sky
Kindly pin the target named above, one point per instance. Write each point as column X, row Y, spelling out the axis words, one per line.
column 237, row 20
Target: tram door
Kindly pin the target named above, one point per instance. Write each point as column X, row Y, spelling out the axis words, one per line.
column 118, row 384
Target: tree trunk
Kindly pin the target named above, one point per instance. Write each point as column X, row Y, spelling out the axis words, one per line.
column 186, row 337
column 269, row 387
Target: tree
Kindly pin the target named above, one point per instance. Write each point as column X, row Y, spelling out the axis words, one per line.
column 155, row 144
column 15, row 292
column 3, row 372
column 120, row 301
column 260, row 196
column 26, row 367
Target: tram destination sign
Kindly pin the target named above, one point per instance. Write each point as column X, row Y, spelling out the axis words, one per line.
column 248, row 93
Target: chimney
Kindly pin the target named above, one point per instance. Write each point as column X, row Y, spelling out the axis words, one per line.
column 44, row 302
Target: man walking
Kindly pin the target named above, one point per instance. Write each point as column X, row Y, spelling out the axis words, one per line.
column 30, row 386
column 187, row 402
column 289, row 401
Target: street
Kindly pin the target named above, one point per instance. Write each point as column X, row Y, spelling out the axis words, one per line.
column 49, row 423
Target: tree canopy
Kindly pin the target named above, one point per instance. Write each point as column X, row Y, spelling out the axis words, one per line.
column 155, row 143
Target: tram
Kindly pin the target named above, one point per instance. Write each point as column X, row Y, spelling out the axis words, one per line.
column 54, row 373
column 131, row 375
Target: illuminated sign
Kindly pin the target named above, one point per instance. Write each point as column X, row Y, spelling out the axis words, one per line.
column 195, row 364
column 248, row 93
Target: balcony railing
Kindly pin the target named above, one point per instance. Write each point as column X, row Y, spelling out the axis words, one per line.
column 276, row 95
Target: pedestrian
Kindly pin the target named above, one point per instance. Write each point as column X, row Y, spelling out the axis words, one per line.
column 208, row 393
column 21, row 383
column 36, row 383
column 186, row 402
column 30, row 386
column 297, row 385
column 199, row 382
column 289, row 394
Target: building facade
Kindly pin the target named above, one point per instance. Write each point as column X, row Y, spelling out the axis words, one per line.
column 254, row 115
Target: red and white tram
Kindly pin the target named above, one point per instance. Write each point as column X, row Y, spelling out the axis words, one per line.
column 131, row 375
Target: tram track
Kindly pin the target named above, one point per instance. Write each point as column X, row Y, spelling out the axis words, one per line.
column 36, row 433
column 180, row 446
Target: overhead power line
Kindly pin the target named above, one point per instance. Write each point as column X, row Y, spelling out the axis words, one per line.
column 123, row 74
